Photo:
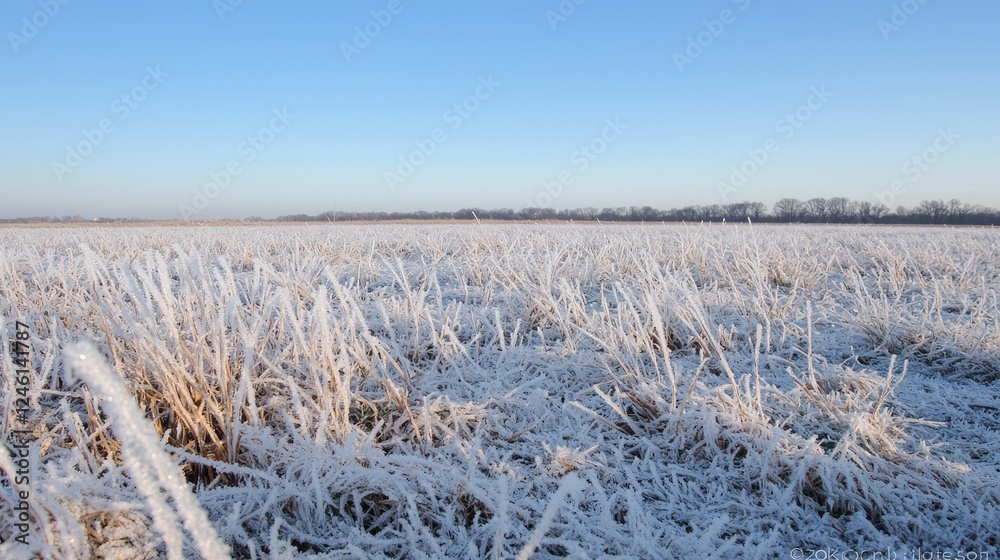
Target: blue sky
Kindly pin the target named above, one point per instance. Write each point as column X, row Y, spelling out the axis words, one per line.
column 266, row 108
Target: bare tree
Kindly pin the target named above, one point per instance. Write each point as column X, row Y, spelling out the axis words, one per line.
column 935, row 211
column 879, row 210
column 736, row 211
column 816, row 209
column 686, row 214
column 788, row 209
column 957, row 210
column 713, row 212
column 867, row 212
column 861, row 212
column 837, row 209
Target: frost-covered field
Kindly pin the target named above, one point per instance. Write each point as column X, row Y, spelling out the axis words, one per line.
column 493, row 391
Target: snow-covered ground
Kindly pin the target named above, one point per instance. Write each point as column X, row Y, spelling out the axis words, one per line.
column 504, row 391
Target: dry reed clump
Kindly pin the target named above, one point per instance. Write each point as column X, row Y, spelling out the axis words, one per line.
column 487, row 391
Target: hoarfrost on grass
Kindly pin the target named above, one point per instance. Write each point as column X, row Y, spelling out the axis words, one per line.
column 506, row 391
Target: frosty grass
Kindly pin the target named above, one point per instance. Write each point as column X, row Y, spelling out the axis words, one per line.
column 503, row 391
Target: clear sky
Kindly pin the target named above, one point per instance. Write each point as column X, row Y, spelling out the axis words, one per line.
column 240, row 108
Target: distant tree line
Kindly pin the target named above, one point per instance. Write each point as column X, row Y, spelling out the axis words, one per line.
column 837, row 210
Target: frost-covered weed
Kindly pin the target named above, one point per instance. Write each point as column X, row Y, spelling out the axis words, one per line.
column 505, row 391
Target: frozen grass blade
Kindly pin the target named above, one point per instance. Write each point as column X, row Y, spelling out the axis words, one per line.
column 149, row 465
